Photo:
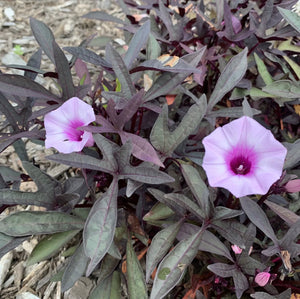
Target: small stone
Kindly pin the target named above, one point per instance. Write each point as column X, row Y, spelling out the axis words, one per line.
column 9, row 13
column 27, row 295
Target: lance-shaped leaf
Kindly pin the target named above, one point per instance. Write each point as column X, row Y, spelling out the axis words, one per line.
column 287, row 242
column 241, row 283
column 283, row 88
column 186, row 203
column 35, row 223
column 263, row 71
column 158, row 211
column 262, row 295
column 291, row 17
column 109, row 288
column 222, row 213
column 137, row 42
column 14, row 197
column 162, row 240
column 160, row 196
column 103, row 16
column 108, row 265
column 173, row 266
column 107, row 164
column 75, row 268
column 167, row 63
column 164, row 140
column 89, row 56
column 8, row 243
column 100, row 227
column 43, row 36
column 221, row 269
column 293, row 154
column 141, row 148
column 167, row 82
column 64, row 74
column 121, row 72
column 9, row 111
column 229, row 78
column 34, row 62
column 135, row 277
column 44, row 182
column 198, row 187
column 209, row 242
column 145, row 174
column 232, row 231
column 22, row 86
column 258, row 217
column 287, row 215
column 49, row 246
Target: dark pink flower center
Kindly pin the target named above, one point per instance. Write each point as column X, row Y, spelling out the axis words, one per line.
column 240, row 165
column 73, row 133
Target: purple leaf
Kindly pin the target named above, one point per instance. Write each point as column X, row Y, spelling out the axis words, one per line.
column 141, row 148
column 103, row 16
column 137, row 42
column 287, row 215
column 221, row 269
column 100, row 227
column 43, row 36
column 82, row 70
column 258, row 217
column 25, row 87
column 240, row 283
column 34, row 62
column 88, row 56
column 64, row 74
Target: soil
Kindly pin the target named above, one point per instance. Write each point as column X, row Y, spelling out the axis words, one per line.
column 17, row 280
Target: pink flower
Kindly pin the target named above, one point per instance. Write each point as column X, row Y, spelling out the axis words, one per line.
column 62, row 125
column 292, row 186
column 243, row 157
column 262, row 278
column 236, row 249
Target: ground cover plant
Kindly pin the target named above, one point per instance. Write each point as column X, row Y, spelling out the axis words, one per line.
column 185, row 145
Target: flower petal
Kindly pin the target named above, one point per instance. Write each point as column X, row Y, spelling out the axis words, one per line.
column 262, row 278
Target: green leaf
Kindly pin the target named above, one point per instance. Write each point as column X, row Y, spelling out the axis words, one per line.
column 291, row 17
column 158, row 211
column 121, row 72
column 135, row 277
column 229, row 78
column 35, row 223
column 162, row 240
column 198, row 187
column 100, row 226
column 164, row 140
column 177, row 261
column 262, row 69
column 283, row 88
column 109, row 288
column 49, row 246
column 75, row 269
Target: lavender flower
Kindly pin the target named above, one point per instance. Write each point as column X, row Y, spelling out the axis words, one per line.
column 62, row 126
column 243, row 157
